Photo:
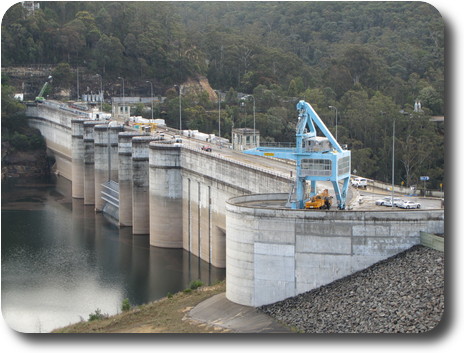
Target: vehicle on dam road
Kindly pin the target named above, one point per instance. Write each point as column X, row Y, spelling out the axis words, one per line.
column 387, row 201
column 409, row 204
column 320, row 201
column 359, row 183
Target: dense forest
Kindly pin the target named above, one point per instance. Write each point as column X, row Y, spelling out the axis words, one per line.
column 369, row 61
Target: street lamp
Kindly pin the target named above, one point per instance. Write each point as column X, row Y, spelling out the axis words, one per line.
column 254, row 117
column 123, row 96
column 393, row 162
column 151, row 90
column 180, row 106
column 336, row 121
column 219, row 103
column 101, row 92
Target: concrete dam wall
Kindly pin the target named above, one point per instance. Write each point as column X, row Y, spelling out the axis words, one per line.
column 220, row 209
column 275, row 253
column 188, row 193
column 175, row 193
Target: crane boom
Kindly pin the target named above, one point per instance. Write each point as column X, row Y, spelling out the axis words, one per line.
column 40, row 97
column 317, row 158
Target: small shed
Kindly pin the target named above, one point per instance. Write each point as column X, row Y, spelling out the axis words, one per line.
column 244, row 139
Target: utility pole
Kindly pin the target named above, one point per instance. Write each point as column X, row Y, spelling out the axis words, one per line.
column 393, row 163
column 180, row 106
column 219, row 103
column 123, row 96
column 101, row 92
column 77, row 75
column 151, row 90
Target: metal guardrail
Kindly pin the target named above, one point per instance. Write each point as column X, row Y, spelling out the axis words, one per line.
column 110, row 192
column 278, row 144
column 251, row 166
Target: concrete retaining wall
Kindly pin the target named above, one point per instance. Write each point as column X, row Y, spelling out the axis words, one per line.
column 208, row 181
column 273, row 254
column 55, row 127
column 432, row 241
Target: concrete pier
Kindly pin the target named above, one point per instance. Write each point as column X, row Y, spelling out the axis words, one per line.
column 102, row 162
column 114, row 130
column 77, row 155
column 89, row 162
column 165, row 195
column 125, row 177
column 140, row 185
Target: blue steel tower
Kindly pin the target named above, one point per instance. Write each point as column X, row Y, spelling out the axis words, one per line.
column 317, row 158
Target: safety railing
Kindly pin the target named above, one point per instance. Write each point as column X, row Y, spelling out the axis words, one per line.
column 110, row 192
column 246, row 165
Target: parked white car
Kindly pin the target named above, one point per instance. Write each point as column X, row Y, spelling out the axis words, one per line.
column 409, row 204
column 359, row 182
column 380, row 202
column 386, row 201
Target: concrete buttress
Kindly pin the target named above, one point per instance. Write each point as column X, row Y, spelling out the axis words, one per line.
column 165, row 195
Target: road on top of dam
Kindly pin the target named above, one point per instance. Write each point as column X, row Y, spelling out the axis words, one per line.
column 358, row 199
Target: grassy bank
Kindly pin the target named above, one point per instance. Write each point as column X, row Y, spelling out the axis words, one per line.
column 167, row 315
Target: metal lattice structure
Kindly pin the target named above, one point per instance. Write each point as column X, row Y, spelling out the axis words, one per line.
column 318, row 158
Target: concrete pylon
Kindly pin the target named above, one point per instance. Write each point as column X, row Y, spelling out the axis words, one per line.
column 89, row 162
column 125, row 177
column 113, row 147
column 165, row 195
column 102, row 162
column 77, row 155
column 140, row 185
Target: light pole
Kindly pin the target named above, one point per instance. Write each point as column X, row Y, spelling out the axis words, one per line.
column 254, row 117
column 254, row 120
column 123, row 96
column 151, row 90
column 180, row 106
column 393, row 162
column 101, row 92
column 336, row 121
column 77, row 78
column 219, row 103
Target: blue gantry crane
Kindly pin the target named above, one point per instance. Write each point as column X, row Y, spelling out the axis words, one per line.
column 318, row 158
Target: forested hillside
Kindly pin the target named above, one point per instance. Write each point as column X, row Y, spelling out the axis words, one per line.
column 370, row 60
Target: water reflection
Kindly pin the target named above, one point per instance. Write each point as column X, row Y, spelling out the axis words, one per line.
column 61, row 261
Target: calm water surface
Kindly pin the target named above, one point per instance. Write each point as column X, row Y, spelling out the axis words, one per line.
column 61, row 261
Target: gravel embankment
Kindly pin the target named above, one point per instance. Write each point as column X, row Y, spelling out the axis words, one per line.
column 402, row 294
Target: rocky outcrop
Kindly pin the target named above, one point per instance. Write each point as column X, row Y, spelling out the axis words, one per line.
column 24, row 164
column 195, row 86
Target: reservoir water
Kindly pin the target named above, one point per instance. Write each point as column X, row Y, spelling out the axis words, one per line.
column 61, row 261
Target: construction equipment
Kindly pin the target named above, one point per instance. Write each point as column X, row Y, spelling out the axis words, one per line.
column 317, row 158
column 40, row 98
column 150, row 127
column 320, row 201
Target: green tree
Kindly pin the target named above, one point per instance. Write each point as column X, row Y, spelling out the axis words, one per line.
column 108, row 54
column 430, row 99
column 62, row 75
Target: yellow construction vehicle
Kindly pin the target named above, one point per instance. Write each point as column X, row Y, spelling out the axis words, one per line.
column 149, row 127
column 320, row 201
